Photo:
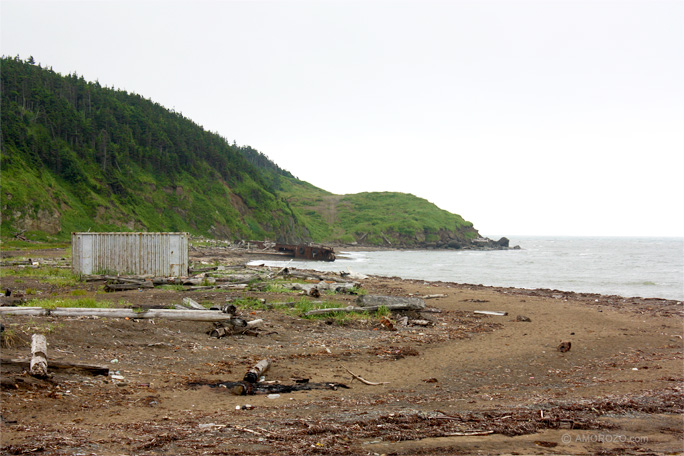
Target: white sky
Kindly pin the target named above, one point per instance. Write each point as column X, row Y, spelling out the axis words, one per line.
column 525, row 117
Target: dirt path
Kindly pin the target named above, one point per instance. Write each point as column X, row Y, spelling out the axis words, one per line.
column 467, row 384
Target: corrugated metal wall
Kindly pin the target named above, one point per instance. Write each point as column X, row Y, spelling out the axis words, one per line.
column 156, row 254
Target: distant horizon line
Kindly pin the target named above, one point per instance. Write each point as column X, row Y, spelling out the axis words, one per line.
column 633, row 236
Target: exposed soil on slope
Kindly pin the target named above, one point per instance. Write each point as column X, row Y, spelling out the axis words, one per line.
column 467, row 384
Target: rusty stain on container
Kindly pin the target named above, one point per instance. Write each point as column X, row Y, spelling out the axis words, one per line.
column 155, row 254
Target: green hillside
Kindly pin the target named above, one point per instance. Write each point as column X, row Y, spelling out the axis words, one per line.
column 77, row 156
column 375, row 218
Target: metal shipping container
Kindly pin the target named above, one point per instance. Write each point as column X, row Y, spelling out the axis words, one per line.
column 156, row 254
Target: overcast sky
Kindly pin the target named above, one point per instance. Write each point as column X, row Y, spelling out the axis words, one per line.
column 525, row 117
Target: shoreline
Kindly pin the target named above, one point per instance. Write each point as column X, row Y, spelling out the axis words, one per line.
column 550, row 292
column 457, row 383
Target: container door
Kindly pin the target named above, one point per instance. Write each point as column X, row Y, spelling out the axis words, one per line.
column 175, row 256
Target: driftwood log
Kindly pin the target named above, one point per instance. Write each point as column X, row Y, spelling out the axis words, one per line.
column 235, row 325
column 371, row 303
column 38, row 366
column 256, row 371
column 248, row 389
column 89, row 369
column 191, row 303
column 490, row 312
column 391, row 302
column 171, row 314
column 250, row 384
column 111, row 287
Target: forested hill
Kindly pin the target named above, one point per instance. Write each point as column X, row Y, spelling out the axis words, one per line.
column 77, row 156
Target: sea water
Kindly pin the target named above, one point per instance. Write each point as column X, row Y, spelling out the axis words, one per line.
column 629, row 267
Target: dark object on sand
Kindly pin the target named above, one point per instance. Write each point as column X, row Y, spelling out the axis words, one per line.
column 564, row 347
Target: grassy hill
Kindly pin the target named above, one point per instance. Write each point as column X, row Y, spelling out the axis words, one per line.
column 366, row 218
column 77, row 156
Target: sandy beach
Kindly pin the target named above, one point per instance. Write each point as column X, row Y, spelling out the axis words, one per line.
column 467, row 383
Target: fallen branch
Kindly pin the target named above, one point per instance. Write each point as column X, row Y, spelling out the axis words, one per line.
column 363, row 380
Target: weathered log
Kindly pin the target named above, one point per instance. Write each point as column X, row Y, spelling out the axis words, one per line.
column 189, row 302
column 199, row 281
column 110, row 287
column 420, row 322
column 337, row 309
column 238, row 278
column 32, row 311
column 391, row 307
column 201, row 270
column 337, row 287
column 246, row 388
column 61, row 365
column 120, row 279
column 491, row 312
column 235, row 326
column 303, row 275
column 38, row 366
column 171, row 314
column 253, row 374
column 233, row 286
column 167, row 281
column 397, row 303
